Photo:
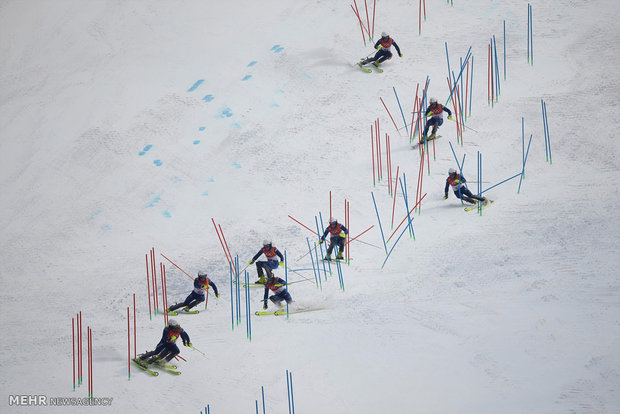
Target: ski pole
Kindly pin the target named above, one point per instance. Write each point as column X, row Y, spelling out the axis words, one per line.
column 466, row 126
column 198, row 350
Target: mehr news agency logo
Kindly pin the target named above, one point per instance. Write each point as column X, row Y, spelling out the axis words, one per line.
column 43, row 400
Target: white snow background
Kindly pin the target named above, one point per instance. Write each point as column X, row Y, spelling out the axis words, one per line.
column 512, row 311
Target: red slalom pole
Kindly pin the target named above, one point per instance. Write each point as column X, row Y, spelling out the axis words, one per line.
column 361, row 25
column 395, row 189
column 175, row 265
column 367, row 19
column 388, row 111
column 356, row 237
column 162, row 270
column 379, row 158
column 148, row 284
column 374, row 6
column 406, row 216
column 415, row 106
column 73, row 348
column 372, row 149
column 80, row 353
column 135, row 354
column 154, row 276
column 128, row 347
column 229, row 259
column 303, row 225
column 228, row 250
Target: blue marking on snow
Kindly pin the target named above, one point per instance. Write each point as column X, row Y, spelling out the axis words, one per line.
column 274, row 105
column 277, row 49
column 246, row 77
column 252, row 63
column 208, row 98
column 202, row 128
column 307, row 76
column 176, row 179
column 93, row 215
column 205, row 193
column 236, row 164
column 211, row 180
column 166, row 214
column 157, row 163
column 148, row 147
column 195, row 85
column 226, row 112
column 196, row 142
column 279, row 91
column 235, row 125
column 106, row 227
column 154, row 201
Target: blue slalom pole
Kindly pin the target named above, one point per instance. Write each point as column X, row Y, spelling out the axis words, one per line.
column 288, row 392
column 329, row 266
column 531, row 26
column 524, row 161
column 460, row 74
column 316, row 280
column 401, row 110
column 292, row 395
column 548, row 141
column 263, row 394
column 528, row 33
column 394, row 245
column 542, row 105
column 286, row 280
column 403, row 189
column 504, row 49
column 497, row 77
column 318, row 231
column 471, row 84
column 379, row 220
column 502, row 182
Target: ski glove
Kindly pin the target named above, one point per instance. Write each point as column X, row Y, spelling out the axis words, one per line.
column 251, row 261
column 265, row 305
column 400, row 55
column 343, row 235
column 445, row 197
column 320, row 241
column 189, row 344
column 379, row 47
column 450, row 118
column 281, row 264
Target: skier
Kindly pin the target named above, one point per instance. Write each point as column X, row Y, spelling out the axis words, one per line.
column 384, row 53
column 201, row 283
column 272, row 253
column 338, row 234
column 166, row 349
column 457, row 182
column 278, row 287
column 436, row 111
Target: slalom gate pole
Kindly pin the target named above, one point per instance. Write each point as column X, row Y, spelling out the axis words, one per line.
column 542, row 105
column 148, row 285
column 286, row 281
column 90, row 359
column 317, row 279
column 479, row 183
column 522, row 140
column 379, row 220
column 128, row 348
column 388, row 111
column 378, row 142
column 247, row 307
column 448, row 61
column 497, row 76
column 175, row 265
column 489, row 78
column 163, row 293
column 403, row 189
column 502, row 182
column 407, row 216
column 229, row 259
column 415, row 107
column 232, row 298
column 524, row 161
column 288, row 392
column 388, row 161
column 354, row 238
column 227, row 248
column 263, row 395
column 420, row 18
column 548, row 136
column 395, row 192
column 367, row 19
column 466, row 89
column 248, row 295
column 504, row 49
column 374, row 6
column 361, row 26
column 239, row 279
column 154, row 274
column 492, row 73
column 316, row 222
column 303, row 225
column 135, row 336
column 471, row 88
column 73, row 348
column 238, row 297
column 401, row 110
column 372, row 149
column 348, row 218
column 80, row 349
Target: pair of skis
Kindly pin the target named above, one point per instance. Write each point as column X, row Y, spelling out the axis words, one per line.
column 482, row 206
column 190, row 312
column 367, row 70
column 283, row 311
column 172, row 369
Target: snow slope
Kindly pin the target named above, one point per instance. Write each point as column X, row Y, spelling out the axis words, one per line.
column 110, row 146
